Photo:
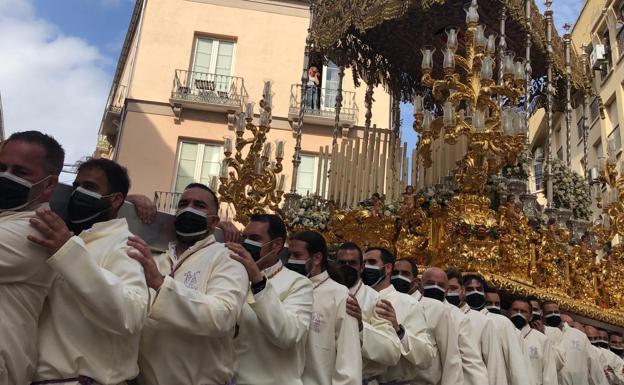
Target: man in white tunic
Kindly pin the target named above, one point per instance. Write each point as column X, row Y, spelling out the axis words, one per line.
column 30, row 163
column 274, row 322
column 405, row 277
column 90, row 326
column 537, row 347
column 481, row 353
column 199, row 292
column 381, row 347
column 616, row 343
column 516, row 363
column 448, row 367
column 333, row 354
column 550, row 327
column 612, row 364
column 418, row 349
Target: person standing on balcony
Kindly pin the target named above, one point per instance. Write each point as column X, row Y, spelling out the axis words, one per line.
column 91, row 322
column 333, row 353
column 275, row 320
column 30, row 163
column 312, row 88
column 198, row 294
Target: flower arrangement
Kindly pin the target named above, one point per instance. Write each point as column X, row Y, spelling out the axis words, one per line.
column 570, row 191
column 313, row 213
column 480, row 231
column 521, row 170
column 441, row 195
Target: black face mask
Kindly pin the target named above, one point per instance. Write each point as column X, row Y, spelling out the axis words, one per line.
column 14, row 191
column 297, row 266
column 191, row 225
column 349, row 275
column 401, row 284
column 518, row 320
column 494, row 309
column 434, row 292
column 475, row 299
column 254, row 248
column 372, row 275
column 86, row 208
column 603, row 344
column 453, row 299
column 537, row 316
column 553, row 320
column 617, row 350
column 596, row 343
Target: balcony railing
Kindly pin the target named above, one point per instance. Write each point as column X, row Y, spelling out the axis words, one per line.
column 166, row 201
column 118, row 101
column 208, row 91
column 321, row 108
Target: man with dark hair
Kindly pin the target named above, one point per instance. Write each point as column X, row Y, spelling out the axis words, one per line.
column 381, row 347
column 537, row 348
column 199, row 293
column 480, row 331
column 405, row 277
column 30, row 163
column 270, row 346
column 492, row 300
column 612, row 363
column 333, row 353
column 616, row 343
column 92, row 319
column 408, row 319
column 516, row 363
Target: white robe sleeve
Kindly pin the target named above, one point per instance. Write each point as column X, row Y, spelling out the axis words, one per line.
column 348, row 366
column 380, row 342
column 213, row 313
column 514, row 357
column 596, row 368
column 549, row 368
column 473, row 367
column 617, row 364
column 447, row 340
column 19, row 258
column 416, row 345
column 492, row 352
column 114, row 296
column 286, row 322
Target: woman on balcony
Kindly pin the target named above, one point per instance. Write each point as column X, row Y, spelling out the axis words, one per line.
column 312, row 88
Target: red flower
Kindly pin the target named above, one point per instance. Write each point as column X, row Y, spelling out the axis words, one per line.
column 463, row 230
column 481, row 232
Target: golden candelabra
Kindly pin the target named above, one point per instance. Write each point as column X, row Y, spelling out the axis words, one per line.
column 250, row 182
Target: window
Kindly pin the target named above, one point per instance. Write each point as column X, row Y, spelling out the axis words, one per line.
column 197, row 162
column 580, row 130
column 538, row 174
column 331, row 79
column 307, row 174
column 594, row 110
column 212, row 64
column 615, row 140
column 560, row 153
column 598, row 148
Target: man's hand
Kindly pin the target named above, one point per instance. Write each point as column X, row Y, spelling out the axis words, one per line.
column 52, row 227
column 144, row 208
column 230, row 232
column 538, row 325
column 143, row 255
column 385, row 310
column 354, row 310
column 242, row 256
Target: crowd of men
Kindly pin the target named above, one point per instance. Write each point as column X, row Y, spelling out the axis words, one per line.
column 84, row 301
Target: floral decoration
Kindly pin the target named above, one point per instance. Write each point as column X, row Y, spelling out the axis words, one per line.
column 313, row 213
column 570, row 191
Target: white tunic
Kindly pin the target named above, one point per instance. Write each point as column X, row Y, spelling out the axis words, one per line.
column 614, row 366
column 381, row 346
column 418, row 349
column 273, row 328
column 447, row 369
column 555, row 335
column 475, row 372
column 512, row 345
column 579, row 368
column 189, row 335
column 333, row 354
column 541, row 357
column 92, row 320
column 25, row 279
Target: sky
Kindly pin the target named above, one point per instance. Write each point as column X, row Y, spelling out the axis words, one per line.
column 58, row 59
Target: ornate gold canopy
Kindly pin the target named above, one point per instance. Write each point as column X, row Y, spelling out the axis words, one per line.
column 381, row 39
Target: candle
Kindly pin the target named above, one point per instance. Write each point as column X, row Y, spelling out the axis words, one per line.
column 325, row 176
column 267, row 88
column 472, row 16
column 487, row 68
column 279, row 149
column 259, row 166
column 227, row 145
column 451, row 38
column 448, row 117
column 241, row 124
column 319, row 171
column 249, row 110
column 479, row 37
column 519, row 73
column 223, row 172
column 491, row 44
column 449, row 59
column 508, row 66
column 418, row 104
column 266, row 153
column 264, row 118
column 214, row 183
column 427, row 60
column 282, row 183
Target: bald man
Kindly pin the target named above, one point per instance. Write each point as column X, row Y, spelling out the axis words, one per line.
column 447, row 370
column 579, row 368
column 612, row 364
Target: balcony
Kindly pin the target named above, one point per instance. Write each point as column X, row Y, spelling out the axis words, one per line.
column 166, row 201
column 118, row 101
column 208, row 92
column 115, row 104
column 323, row 112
